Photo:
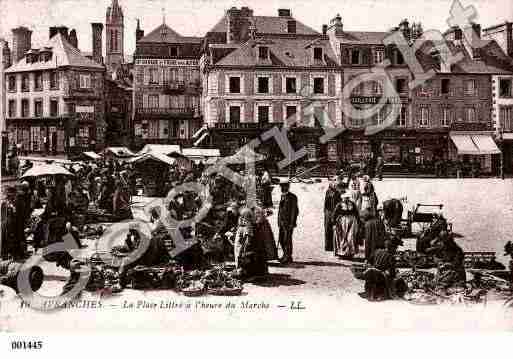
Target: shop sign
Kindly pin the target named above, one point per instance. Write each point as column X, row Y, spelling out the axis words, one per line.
column 84, row 109
column 167, row 62
column 471, row 126
column 365, row 100
column 374, row 100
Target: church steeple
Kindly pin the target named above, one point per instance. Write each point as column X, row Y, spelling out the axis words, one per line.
column 114, row 28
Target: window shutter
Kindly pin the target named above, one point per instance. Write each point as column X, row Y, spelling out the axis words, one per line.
column 331, row 121
column 221, row 79
column 277, row 112
column 305, row 84
column 276, row 84
column 221, row 111
column 345, row 55
column 249, row 83
column 249, row 109
column 331, row 85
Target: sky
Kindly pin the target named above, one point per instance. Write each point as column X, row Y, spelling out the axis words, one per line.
column 196, row 17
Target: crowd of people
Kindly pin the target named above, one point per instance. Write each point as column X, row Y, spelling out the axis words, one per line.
column 234, row 229
column 354, row 218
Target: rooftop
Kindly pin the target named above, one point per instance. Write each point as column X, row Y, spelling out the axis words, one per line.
column 63, row 54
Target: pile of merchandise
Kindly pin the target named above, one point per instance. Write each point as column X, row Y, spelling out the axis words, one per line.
column 427, row 288
column 215, row 281
column 413, row 259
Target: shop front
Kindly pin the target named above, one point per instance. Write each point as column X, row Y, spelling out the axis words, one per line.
column 507, row 153
column 471, row 149
column 43, row 136
column 403, row 150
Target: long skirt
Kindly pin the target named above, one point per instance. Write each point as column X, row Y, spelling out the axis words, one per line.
column 264, row 233
column 346, row 236
column 328, row 232
column 374, row 236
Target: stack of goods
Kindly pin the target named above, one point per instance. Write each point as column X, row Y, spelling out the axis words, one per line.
column 142, row 277
column 418, row 279
column 424, row 288
column 413, row 259
column 101, row 276
column 489, row 281
column 9, row 271
column 216, row 281
column 482, row 260
column 219, row 282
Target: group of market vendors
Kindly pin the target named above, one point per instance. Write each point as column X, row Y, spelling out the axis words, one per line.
column 353, row 218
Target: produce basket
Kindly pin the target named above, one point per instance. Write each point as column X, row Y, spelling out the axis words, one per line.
column 193, row 291
column 224, row 291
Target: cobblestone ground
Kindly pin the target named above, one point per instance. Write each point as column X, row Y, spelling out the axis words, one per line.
column 481, row 211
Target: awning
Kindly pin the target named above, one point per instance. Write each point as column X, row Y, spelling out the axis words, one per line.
column 197, row 133
column 201, row 139
column 155, row 157
column 507, row 136
column 486, row 144
column 474, row 144
column 92, row 155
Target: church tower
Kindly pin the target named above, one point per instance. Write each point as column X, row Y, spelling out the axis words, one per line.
column 114, row 32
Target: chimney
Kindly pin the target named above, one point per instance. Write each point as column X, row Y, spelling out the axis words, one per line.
column 324, row 29
column 284, row 13
column 238, row 24
column 139, row 34
column 336, row 27
column 246, row 12
column 73, row 38
column 21, row 42
column 6, row 53
column 97, row 28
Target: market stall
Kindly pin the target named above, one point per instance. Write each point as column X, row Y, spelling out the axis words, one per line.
column 146, row 166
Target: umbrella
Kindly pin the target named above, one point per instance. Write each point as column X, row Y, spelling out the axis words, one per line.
column 243, row 155
column 47, row 169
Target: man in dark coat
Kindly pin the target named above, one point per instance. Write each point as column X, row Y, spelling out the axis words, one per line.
column 23, row 211
column 287, row 217
column 331, row 200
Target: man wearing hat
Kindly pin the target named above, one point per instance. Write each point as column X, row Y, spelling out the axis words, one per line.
column 331, row 200
column 8, row 222
column 287, row 217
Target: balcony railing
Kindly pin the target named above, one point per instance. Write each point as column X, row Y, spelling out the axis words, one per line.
column 453, row 92
column 246, row 125
column 166, row 110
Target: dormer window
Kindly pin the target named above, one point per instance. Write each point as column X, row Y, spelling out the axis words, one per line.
column 399, row 59
column 263, row 53
column 318, row 53
column 291, row 26
column 173, row 51
column 355, row 57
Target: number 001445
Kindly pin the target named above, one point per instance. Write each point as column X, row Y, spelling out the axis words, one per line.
column 26, row 345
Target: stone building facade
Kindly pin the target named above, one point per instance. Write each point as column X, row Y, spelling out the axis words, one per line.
column 167, row 87
column 265, row 71
column 54, row 100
